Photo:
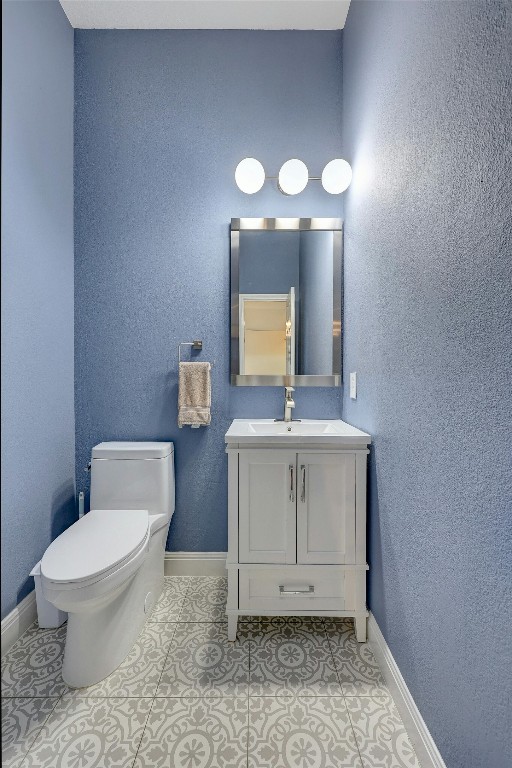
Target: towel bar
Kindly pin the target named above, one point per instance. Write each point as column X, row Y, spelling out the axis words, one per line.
column 197, row 345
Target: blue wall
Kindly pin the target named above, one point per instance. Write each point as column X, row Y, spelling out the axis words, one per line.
column 269, row 262
column 428, row 298
column 37, row 287
column 316, row 302
column 161, row 120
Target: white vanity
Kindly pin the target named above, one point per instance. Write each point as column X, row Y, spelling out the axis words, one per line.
column 296, row 520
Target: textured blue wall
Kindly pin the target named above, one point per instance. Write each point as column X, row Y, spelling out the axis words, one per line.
column 161, row 120
column 37, row 287
column 428, row 303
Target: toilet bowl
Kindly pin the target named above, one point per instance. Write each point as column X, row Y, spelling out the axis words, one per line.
column 107, row 569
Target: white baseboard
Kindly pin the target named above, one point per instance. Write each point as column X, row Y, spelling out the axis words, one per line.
column 195, row 564
column 421, row 739
column 18, row 620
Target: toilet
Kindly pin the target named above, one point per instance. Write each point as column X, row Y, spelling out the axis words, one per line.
column 107, row 569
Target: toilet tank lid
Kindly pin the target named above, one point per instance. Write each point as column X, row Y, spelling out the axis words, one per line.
column 132, row 450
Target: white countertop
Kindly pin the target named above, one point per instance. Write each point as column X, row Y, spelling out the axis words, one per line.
column 329, row 432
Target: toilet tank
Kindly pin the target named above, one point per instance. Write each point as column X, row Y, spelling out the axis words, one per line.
column 133, row 475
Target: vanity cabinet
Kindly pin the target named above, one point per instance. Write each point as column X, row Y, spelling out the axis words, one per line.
column 267, row 506
column 296, row 507
column 326, row 508
column 297, row 530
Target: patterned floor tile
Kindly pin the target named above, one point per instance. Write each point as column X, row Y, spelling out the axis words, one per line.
column 358, row 671
column 290, row 657
column 202, row 662
column 272, row 698
column 205, row 600
column 139, row 673
column 195, row 733
column 317, row 622
column 381, row 737
column 22, row 719
column 90, row 733
column 32, row 666
column 170, row 603
column 301, row 732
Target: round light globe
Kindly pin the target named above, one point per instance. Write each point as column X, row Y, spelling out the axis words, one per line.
column 293, row 177
column 250, row 175
column 336, row 176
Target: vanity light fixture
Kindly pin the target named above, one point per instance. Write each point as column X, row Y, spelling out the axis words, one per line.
column 293, row 176
column 336, row 176
column 250, row 175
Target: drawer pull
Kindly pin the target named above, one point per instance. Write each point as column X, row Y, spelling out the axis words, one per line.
column 292, row 495
column 283, row 591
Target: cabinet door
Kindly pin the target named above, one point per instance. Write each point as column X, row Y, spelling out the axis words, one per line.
column 326, row 508
column 267, row 506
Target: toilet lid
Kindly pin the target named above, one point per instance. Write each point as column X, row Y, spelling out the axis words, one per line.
column 95, row 544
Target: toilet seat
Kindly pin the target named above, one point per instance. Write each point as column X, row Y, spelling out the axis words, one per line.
column 95, row 547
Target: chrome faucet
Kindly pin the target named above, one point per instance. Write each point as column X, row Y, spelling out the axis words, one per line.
column 289, row 403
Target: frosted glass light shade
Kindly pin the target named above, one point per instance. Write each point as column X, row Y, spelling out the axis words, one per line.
column 250, row 175
column 336, row 176
column 293, row 177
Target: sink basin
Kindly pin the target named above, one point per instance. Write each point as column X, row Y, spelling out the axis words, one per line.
column 292, row 427
column 307, row 431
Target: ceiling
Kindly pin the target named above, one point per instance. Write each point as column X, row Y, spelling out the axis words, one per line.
column 206, row 14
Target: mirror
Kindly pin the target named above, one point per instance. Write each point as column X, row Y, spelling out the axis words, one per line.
column 286, row 294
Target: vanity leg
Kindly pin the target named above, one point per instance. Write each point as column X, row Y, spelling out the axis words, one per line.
column 360, row 627
column 232, row 626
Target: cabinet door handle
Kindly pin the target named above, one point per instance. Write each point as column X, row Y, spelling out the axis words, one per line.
column 283, row 591
column 292, row 496
column 303, row 491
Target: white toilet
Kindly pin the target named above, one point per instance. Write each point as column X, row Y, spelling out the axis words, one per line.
column 107, row 569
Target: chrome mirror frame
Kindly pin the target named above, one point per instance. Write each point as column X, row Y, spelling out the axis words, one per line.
column 290, row 225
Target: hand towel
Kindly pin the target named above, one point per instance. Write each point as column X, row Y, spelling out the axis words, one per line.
column 195, row 394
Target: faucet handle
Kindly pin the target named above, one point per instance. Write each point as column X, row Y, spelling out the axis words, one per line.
column 288, row 391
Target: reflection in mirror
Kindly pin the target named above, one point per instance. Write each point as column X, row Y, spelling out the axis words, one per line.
column 267, row 338
column 286, row 305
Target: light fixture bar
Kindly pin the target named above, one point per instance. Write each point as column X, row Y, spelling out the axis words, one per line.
column 293, row 176
column 310, row 178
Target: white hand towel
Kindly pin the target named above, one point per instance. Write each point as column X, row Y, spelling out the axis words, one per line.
column 194, row 395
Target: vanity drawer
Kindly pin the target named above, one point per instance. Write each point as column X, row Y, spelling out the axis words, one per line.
column 292, row 588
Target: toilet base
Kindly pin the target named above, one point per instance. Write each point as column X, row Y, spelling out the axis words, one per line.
column 101, row 635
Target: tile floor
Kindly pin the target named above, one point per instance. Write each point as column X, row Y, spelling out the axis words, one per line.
column 290, row 693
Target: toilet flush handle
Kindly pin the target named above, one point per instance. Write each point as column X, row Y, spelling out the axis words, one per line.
column 88, row 467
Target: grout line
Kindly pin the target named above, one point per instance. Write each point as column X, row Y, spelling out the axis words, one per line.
column 50, row 713
column 188, row 621
column 143, row 731
column 335, row 666
column 330, row 644
column 186, row 591
column 345, row 699
column 185, row 596
column 355, row 738
column 247, row 727
column 165, row 662
column 158, row 683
